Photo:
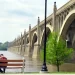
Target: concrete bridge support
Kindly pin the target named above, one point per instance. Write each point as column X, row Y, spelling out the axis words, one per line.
column 28, row 46
column 27, row 50
column 36, row 51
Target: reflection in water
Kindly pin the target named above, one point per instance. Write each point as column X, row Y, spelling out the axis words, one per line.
column 31, row 65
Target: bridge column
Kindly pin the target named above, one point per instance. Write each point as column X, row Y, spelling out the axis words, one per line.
column 54, row 17
column 37, row 45
column 14, row 45
column 28, row 46
column 18, row 44
column 66, row 12
column 24, row 41
column 57, row 23
column 63, row 16
column 21, row 45
column 61, row 19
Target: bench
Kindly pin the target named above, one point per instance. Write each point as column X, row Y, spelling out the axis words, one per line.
column 13, row 64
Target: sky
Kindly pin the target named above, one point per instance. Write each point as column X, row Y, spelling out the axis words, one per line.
column 16, row 15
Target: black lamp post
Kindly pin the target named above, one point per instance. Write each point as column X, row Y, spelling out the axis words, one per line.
column 44, row 67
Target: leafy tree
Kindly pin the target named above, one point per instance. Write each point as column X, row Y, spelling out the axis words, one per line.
column 56, row 50
column 3, row 46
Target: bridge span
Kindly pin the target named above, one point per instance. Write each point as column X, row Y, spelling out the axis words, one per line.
column 62, row 20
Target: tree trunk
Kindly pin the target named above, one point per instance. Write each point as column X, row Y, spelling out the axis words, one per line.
column 57, row 65
column 58, row 68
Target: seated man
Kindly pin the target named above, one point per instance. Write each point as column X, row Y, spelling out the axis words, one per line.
column 0, row 66
column 3, row 58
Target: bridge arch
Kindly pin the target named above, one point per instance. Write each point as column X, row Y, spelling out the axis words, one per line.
column 34, row 37
column 50, row 27
column 67, row 31
column 27, row 40
column 66, row 23
column 48, row 30
column 34, row 40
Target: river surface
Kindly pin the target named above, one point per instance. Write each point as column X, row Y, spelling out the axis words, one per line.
column 31, row 65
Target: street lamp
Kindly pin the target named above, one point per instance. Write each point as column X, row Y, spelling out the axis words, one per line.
column 44, row 67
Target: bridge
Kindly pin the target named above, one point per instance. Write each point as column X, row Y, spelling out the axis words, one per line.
column 62, row 20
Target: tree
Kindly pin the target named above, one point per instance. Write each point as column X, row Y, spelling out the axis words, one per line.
column 3, row 46
column 56, row 50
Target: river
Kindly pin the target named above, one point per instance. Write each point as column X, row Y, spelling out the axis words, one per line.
column 31, row 65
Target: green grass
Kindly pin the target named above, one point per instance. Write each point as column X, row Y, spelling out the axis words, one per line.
column 39, row 73
column 62, row 72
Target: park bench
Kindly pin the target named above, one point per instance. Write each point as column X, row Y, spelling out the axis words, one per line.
column 13, row 64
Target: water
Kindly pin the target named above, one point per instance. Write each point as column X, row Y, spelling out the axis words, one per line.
column 31, row 65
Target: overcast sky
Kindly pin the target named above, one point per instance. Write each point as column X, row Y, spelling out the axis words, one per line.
column 16, row 15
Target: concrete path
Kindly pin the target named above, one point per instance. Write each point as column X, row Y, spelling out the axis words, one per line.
column 38, row 74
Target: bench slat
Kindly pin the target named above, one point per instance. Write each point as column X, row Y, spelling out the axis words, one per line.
column 11, row 60
column 16, row 64
column 14, row 67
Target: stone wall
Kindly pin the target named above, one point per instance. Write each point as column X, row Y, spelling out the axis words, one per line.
column 66, row 67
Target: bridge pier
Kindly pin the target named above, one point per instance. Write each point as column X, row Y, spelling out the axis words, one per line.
column 22, row 50
column 27, row 50
column 18, row 50
column 36, row 51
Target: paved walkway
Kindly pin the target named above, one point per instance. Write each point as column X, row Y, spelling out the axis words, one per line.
column 37, row 74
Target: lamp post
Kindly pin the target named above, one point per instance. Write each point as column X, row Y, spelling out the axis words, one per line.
column 44, row 67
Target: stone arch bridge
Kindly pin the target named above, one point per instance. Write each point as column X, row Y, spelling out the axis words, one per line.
column 61, row 20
